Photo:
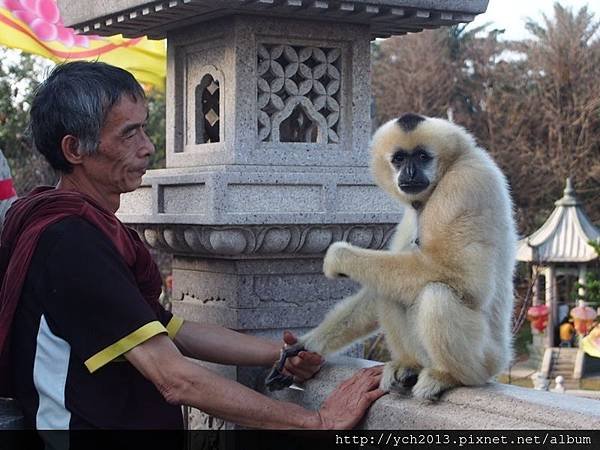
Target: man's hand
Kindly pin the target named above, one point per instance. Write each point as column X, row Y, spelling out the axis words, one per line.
column 349, row 402
column 303, row 366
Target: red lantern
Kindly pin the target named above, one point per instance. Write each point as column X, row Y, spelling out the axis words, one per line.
column 583, row 317
column 538, row 316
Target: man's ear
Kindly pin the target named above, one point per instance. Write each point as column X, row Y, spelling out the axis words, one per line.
column 70, row 149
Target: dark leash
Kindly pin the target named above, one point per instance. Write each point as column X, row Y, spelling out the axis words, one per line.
column 277, row 380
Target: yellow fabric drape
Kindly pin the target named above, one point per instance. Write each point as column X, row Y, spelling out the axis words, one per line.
column 36, row 27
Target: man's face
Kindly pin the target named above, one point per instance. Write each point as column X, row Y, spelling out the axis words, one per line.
column 124, row 150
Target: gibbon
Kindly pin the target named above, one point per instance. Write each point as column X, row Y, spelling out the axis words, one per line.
column 443, row 292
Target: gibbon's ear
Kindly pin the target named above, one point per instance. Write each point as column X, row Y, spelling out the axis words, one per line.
column 69, row 146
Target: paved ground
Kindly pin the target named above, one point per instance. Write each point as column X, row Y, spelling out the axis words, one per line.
column 520, row 375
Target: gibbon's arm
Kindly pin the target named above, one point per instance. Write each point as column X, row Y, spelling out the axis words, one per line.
column 395, row 275
column 406, row 231
column 351, row 319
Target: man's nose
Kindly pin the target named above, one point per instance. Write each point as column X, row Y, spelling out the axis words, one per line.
column 148, row 145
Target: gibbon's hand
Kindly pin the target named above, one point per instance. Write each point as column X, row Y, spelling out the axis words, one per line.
column 334, row 264
column 349, row 402
column 305, row 365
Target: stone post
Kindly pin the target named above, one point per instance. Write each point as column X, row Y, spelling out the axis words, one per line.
column 267, row 139
column 582, row 274
column 552, row 303
column 535, row 275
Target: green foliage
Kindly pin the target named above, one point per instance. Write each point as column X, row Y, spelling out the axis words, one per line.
column 19, row 75
column 592, row 280
column 522, row 340
column 596, row 246
column 156, row 127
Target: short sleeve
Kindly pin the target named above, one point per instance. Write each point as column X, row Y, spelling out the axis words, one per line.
column 92, row 299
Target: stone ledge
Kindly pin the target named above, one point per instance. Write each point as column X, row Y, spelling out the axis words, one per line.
column 494, row 406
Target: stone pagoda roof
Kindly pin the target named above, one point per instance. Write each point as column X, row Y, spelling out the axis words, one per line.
column 134, row 18
column 565, row 235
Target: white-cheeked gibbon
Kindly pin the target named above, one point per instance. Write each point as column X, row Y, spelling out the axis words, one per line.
column 443, row 292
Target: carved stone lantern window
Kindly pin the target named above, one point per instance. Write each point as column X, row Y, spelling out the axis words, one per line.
column 207, row 110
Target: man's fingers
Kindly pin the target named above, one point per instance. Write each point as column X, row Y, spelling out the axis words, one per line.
column 311, row 358
column 301, row 372
column 374, row 395
column 370, row 381
column 289, row 338
column 376, row 370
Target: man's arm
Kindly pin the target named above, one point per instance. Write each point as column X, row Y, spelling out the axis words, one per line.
column 224, row 346
column 221, row 345
column 181, row 381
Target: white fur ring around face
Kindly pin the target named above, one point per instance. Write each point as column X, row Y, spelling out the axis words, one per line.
column 333, row 264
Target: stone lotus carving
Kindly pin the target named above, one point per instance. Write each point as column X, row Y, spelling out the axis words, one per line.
column 227, row 240
column 298, row 94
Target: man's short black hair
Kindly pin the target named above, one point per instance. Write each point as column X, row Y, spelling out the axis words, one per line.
column 74, row 100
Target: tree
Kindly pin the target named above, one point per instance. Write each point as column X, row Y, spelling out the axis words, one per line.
column 413, row 73
column 564, row 60
column 156, row 126
column 533, row 104
column 20, row 74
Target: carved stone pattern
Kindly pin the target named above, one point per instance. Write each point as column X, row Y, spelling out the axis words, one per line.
column 264, row 240
column 298, row 94
column 208, row 110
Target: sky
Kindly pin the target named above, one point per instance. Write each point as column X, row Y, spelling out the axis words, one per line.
column 512, row 14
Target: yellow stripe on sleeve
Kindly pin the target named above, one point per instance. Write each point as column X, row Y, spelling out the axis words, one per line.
column 174, row 325
column 140, row 335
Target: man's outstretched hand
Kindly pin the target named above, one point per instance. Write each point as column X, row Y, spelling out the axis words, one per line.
column 304, row 365
column 349, row 402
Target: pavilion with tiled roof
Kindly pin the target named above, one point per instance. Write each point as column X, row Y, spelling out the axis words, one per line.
column 560, row 247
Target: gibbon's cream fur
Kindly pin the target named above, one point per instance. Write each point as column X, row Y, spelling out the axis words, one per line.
column 443, row 292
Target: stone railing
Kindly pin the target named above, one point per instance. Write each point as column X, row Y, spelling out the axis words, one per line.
column 495, row 406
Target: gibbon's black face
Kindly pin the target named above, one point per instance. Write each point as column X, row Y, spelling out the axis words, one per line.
column 412, row 165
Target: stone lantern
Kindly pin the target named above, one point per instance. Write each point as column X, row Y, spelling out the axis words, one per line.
column 268, row 125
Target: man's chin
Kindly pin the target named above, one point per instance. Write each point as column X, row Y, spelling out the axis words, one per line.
column 131, row 185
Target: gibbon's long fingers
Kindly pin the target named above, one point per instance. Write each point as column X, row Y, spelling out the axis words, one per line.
column 410, row 271
column 397, row 377
column 351, row 319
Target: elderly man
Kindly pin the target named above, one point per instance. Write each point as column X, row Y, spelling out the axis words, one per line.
column 82, row 335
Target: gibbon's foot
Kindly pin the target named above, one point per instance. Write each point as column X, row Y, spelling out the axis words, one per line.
column 432, row 384
column 398, row 378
